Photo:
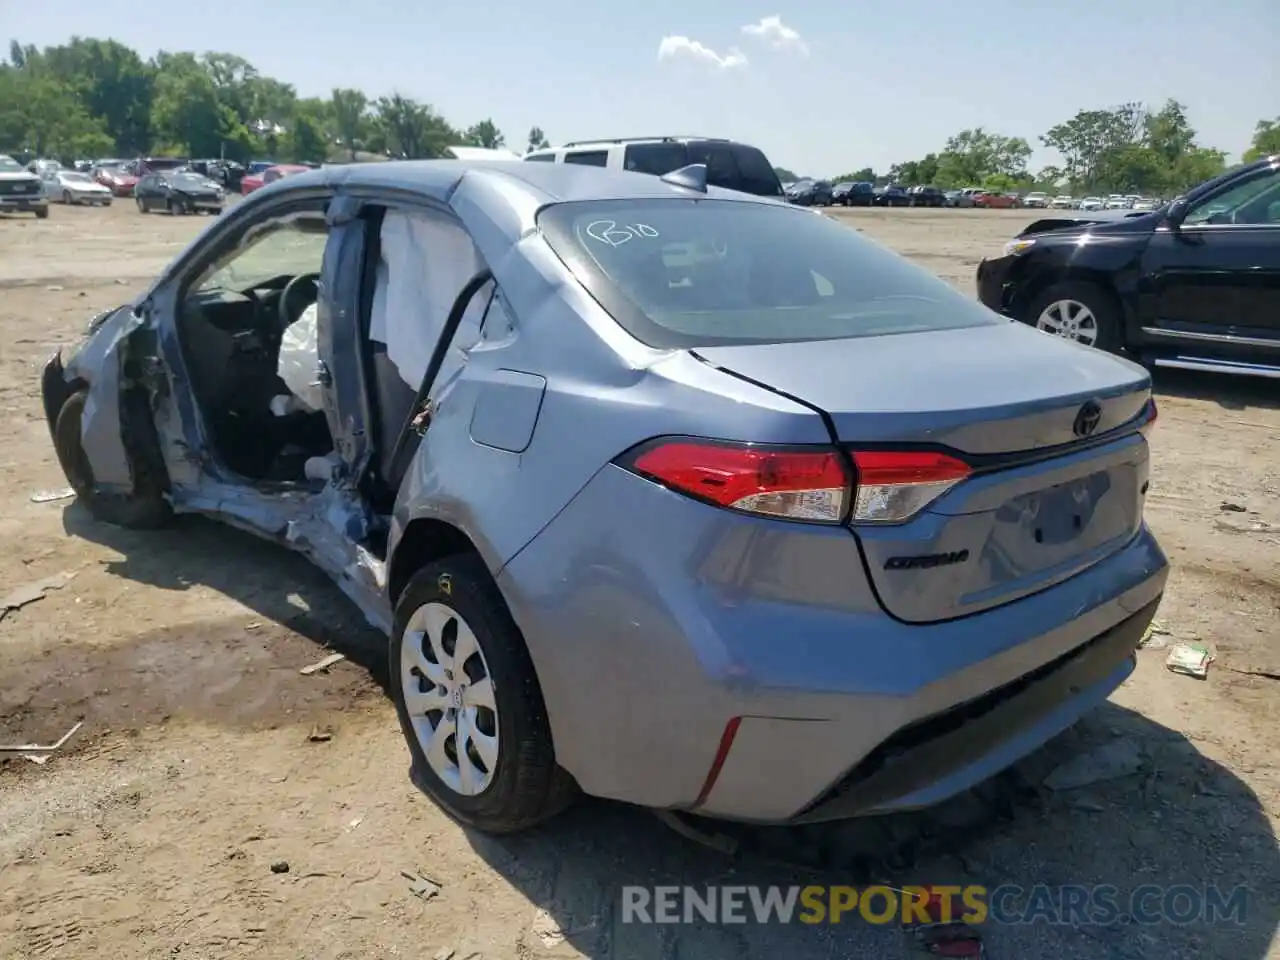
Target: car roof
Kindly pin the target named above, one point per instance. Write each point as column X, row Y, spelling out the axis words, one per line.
column 623, row 141
column 541, row 182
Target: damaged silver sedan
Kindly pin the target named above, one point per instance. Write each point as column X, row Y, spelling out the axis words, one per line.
column 676, row 495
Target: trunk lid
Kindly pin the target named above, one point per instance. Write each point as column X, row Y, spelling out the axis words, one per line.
column 1042, row 504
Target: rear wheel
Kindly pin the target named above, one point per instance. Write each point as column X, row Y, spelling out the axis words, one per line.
column 145, row 508
column 1080, row 311
column 469, row 702
column 142, row 207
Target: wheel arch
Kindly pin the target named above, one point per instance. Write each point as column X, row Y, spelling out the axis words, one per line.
column 424, row 540
column 1041, row 280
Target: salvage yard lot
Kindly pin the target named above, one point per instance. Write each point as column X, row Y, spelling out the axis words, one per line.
column 206, row 757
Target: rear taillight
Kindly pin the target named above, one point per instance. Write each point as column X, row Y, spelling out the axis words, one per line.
column 895, row 485
column 794, row 483
column 1150, row 414
column 810, row 484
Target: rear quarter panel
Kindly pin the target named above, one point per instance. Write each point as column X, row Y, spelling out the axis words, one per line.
column 605, row 392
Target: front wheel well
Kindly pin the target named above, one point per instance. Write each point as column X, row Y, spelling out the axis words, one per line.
column 1044, row 279
column 424, row 541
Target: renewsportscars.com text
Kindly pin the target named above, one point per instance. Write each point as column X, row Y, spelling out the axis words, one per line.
column 1074, row 905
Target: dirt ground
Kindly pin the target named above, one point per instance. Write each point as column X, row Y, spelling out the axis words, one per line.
column 206, row 757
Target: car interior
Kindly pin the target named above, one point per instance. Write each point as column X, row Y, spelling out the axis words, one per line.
column 233, row 321
column 237, row 332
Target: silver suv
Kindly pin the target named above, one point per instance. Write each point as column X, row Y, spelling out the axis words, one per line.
column 732, row 165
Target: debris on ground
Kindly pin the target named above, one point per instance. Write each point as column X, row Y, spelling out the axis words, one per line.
column 35, row 748
column 1191, row 659
column 1153, row 638
column 1228, row 507
column 1110, row 761
column 716, row 841
column 547, row 930
column 280, row 866
column 421, row 886
column 49, row 496
column 320, row 665
column 320, row 734
column 32, row 592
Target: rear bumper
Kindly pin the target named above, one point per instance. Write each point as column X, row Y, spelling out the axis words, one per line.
column 683, row 624
column 935, row 758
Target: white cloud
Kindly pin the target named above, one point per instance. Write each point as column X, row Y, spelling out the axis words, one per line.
column 675, row 47
column 777, row 34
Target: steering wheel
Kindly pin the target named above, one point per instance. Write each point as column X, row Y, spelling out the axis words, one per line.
column 300, row 282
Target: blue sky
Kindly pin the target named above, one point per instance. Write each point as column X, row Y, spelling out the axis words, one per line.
column 822, row 86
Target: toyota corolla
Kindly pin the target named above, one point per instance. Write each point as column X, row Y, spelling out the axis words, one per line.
column 662, row 492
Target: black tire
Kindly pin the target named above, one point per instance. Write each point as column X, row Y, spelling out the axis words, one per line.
column 66, row 198
column 42, row 213
column 1101, row 302
column 528, row 786
column 173, row 208
column 144, row 509
column 142, row 207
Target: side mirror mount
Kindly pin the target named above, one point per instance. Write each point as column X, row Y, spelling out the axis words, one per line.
column 1176, row 213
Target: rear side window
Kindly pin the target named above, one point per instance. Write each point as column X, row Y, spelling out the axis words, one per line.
column 655, row 158
column 686, row 273
column 757, row 172
column 722, row 168
column 542, row 157
column 588, row 158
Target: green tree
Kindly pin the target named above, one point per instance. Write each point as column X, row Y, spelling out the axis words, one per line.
column 537, row 139
column 972, row 156
column 484, row 134
column 189, row 113
column 414, row 130
column 306, row 141
column 785, row 175
column 1266, row 140
column 865, row 175
column 350, row 118
column 40, row 114
column 111, row 83
column 912, row 173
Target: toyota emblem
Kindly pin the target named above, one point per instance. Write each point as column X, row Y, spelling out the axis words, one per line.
column 1087, row 419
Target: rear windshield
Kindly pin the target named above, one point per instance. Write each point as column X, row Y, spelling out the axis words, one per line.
column 687, row 273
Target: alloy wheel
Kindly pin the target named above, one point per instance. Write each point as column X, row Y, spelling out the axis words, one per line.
column 1071, row 320
column 448, row 694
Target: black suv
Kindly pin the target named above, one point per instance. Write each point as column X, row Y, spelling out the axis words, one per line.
column 810, row 193
column 926, row 197
column 890, row 196
column 856, row 193
column 1194, row 284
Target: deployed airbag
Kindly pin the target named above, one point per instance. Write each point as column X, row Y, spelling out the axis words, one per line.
column 299, row 363
column 426, row 261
